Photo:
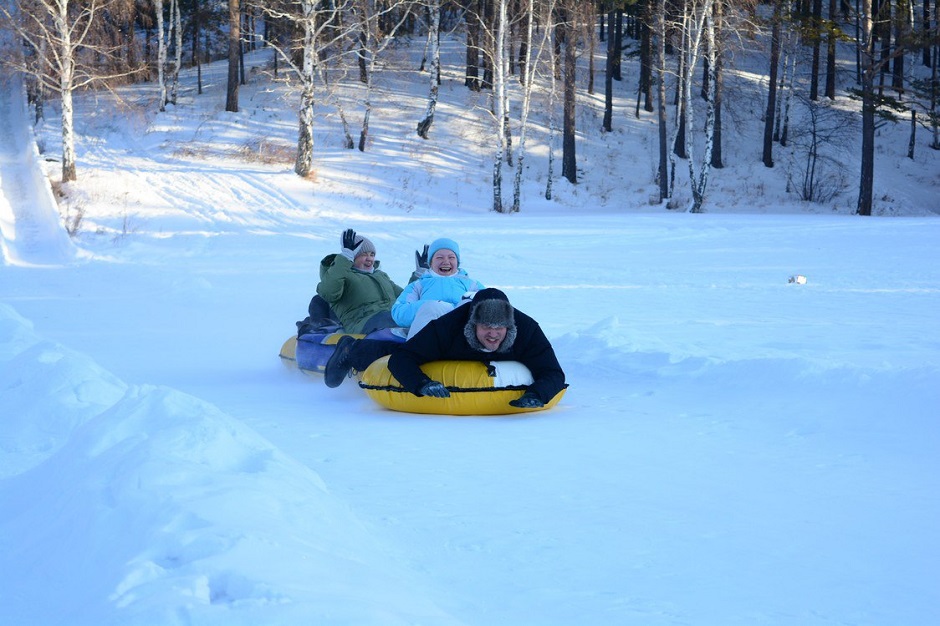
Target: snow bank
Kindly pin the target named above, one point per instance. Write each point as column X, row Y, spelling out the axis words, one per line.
column 155, row 507
column 31, row 231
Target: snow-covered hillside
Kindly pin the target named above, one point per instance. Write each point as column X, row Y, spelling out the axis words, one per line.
column 734, row 449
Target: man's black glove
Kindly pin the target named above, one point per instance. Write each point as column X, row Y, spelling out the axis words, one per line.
column 421, row 261
column 435, row 389
column 350, row 243
column 528, row 401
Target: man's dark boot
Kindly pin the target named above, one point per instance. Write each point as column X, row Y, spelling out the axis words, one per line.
column 337, row 368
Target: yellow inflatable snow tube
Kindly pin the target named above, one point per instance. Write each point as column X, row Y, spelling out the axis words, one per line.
column 475, row 388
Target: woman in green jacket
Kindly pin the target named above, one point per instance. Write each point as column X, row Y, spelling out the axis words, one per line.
column 358, row 292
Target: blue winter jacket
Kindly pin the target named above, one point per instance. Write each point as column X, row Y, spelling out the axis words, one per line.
column 431, row 286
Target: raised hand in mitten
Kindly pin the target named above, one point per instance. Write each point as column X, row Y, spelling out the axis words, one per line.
column 421, row 261
column 350, row 244
column 435, row 389
column 528, row 401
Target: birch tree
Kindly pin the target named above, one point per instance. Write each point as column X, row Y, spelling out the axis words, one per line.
column 70, row 34
column 663, row 169
column 552, row 99
column 375, row 40
column 434, row 43
column 177, row 51
column 500, row 71
column 161, row 55
column 528, row 67
column 700, row 25
column 717, row 161
column 319, row 34
column 678, row 142
column 785, row 86
column 697, row 28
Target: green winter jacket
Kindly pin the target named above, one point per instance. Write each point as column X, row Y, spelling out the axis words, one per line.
column 355, row 296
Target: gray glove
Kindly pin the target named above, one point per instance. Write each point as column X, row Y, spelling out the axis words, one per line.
column 350, row 244
column 528, row 401
column 421, row 261
column 435, row 389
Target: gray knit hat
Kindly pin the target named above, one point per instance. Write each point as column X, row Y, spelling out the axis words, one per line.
column 365, row 247
column 490, row 307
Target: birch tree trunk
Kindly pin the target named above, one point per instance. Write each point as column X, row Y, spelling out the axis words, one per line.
column 178, row 56
column 500, row 68
column 69, row 172
column 508, row 70
column 66, row 53
column 527, row 67
column 663, row 170
column 678, row 141
column 161, row 54
column 434, row 40
column 718, row 81
column 786, row 89
column 552, row 125
column 303, row 164
column 367, row 65
column 778, row 101
column 701, row 26
column 320, row 32
column 474, row 36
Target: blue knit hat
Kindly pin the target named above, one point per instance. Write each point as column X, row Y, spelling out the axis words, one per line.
column 444, row 244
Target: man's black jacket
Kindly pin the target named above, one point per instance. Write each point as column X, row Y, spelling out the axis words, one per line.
column 443, row 340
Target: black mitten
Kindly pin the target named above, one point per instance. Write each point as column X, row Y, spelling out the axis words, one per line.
column 350, row 243
column 421, row 261
column 435, row 389
column 528, row 401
